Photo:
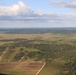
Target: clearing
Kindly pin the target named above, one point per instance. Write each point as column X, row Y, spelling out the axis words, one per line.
column 21, row 68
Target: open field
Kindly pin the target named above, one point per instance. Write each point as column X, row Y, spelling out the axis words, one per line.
column 28, row 36
column 26, row 53
column 10, row 38
column 28, row 68
column 52, row 67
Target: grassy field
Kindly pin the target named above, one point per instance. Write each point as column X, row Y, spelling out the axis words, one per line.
column 45, row 36
column 53, row 67
column 36, row 44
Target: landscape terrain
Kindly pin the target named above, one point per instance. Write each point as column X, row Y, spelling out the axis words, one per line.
column 38, row 51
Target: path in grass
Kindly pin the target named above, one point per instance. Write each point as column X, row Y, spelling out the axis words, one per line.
column 2, row 55
column 52, row 67
column 21, row 58
column 40, row 69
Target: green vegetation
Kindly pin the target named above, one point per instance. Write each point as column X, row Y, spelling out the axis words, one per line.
column 57, row 50
column 53, row 67
column 51, row 52
column 13, row 73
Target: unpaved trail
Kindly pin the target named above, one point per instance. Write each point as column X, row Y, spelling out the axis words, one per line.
column 21, row 59
column 2, row 55
column 21, row 63
column 40, row 69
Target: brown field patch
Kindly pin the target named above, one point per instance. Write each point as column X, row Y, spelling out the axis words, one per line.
column 45, row 36
column 30, row 68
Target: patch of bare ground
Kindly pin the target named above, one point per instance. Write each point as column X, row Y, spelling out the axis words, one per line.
column 30, row 68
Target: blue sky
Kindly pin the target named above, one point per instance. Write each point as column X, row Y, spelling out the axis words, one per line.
column 37, row 13
column 44, row 5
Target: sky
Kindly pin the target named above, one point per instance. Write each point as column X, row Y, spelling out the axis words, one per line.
column 37, row 13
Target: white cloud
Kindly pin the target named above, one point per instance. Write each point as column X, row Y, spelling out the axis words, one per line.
column 21, row 12
column 56, row 0
column 40, row 12
column 67, row 4
column 16, row 9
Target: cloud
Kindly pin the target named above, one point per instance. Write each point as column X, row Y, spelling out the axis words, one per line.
column 15, row 10
column 22, row 12
column 67, row 4
column 56, row 0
